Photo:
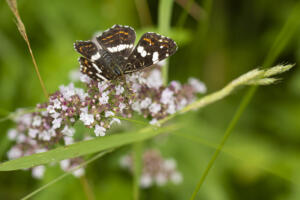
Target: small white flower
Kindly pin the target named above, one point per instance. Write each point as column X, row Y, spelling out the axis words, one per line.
column 45, row 135
column 161, row 179
column 33, row 132
column 146, row 103
column 14, row 153
column 56, row 104
column 84, row 110
column 21, row 138
column 154, row 122
column 65, row 164
column 68, row 140
column 99, row 130
column 170, row 164
column 78, row 172
column 56, row 123
column 38, row 171
column 84, row 78
column 64, row 108
column 197, row 85
column 80, row 92
column 146, row 181
column 183, row 102
column 37, row 120
column 104, row 98
column 167, row 96
column 102, row 86
column 86, row 118
column 136, row 107
column 171, row 108
column 109, row 114
column 154, row 80
column 176, row 177
column 55, row 115
column 122, row 106
column 12, row 134
column 119, row 89
column 115, row 120
column 176, row 85
column 50, row 109
column 67, row 91
column 24, row 119
column 67, row 131
column 154, row 108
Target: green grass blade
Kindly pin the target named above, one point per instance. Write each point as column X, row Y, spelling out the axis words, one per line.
column 82, row 148
column 137, row 152
column 164, row 21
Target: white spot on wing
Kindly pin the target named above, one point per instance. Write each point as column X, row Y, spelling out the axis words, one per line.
column 96, row 56
column 100, row 76
column 155, row 57
column 144, row 53
column 140, row 49
column 119, row 48
column 97, row 68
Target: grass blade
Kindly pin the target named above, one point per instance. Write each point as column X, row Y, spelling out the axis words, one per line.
column 83, row 148
column 137, row 152
column 164, row 21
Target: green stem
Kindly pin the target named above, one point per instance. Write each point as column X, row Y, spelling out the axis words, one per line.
column 164, row 22
column 137, row 159
column 232, row 124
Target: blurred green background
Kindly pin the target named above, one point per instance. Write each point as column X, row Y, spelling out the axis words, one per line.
column 261, row 159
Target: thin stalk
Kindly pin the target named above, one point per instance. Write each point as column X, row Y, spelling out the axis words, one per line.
column 184, row 13
column 164, row 23
column 137, row 152
column 86, row 187
column 21, row 27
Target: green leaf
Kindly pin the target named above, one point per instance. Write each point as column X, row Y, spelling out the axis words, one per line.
column 83, row 148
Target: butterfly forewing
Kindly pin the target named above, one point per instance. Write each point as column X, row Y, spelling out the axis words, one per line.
column 88, row 49
column 151, row 49
column 118, row 40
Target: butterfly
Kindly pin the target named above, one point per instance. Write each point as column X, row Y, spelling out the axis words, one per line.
column 112, row 54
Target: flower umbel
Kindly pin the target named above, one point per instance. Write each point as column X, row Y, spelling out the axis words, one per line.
column 97, row 106
column 156, row 169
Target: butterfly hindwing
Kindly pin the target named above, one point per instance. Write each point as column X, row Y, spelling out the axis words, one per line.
column 96, row 71
column 118, row 40
column 151, row 49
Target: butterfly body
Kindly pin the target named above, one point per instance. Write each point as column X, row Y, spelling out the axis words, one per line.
column 112, row 54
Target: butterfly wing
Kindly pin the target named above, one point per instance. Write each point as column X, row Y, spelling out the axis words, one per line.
column 151, row 49
column 118, row 40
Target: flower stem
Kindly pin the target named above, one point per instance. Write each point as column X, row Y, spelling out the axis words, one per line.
column 164, row 23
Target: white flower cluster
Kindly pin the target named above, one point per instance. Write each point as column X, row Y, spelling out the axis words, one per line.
column 98, row 106
column 156, row 170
